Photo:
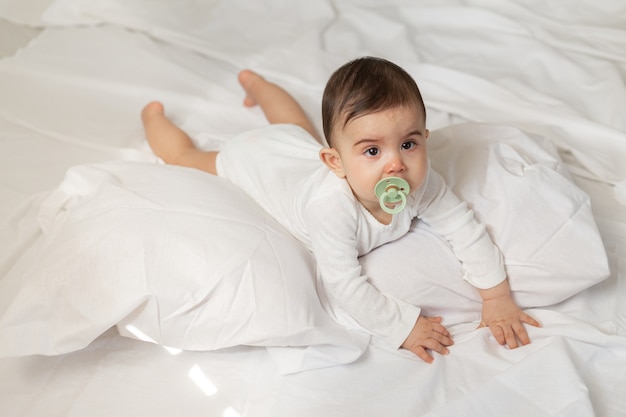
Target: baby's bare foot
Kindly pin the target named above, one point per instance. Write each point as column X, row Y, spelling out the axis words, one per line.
column 151, row 109
column 247, row 79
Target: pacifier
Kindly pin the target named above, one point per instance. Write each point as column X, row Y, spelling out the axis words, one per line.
column 392, row 191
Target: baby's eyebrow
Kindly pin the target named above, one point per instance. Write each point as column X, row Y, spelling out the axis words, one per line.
column 365, row 141
column 415, row 133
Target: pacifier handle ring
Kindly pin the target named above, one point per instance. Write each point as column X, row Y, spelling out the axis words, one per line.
column 396, row 209
column 393, row 190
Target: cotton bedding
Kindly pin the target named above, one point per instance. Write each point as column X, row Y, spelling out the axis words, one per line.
column 129, row 287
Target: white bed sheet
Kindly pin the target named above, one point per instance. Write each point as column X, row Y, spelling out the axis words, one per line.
column 56, row 115
column 438, row 42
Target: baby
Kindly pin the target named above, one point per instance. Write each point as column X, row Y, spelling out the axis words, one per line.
column 330, row 197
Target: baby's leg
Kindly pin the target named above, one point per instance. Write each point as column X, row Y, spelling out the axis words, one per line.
column 171, row 144
column 277, row 104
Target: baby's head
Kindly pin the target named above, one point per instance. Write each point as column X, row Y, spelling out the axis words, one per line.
column 375, row 124
column 363, row 86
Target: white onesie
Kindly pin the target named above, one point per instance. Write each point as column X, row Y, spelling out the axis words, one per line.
column 279, row 167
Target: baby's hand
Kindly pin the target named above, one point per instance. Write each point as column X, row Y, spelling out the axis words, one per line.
column 505, row 319
column 428, row 333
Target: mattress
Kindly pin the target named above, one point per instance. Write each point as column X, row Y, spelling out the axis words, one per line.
column 127, row 288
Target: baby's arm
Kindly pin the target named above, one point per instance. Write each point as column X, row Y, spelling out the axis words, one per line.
column 428, row 333
column 481, row 259
column 351, row 298
column 504, row 317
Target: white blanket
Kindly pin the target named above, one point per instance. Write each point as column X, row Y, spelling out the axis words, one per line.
column 74, row 96
column 438, row 43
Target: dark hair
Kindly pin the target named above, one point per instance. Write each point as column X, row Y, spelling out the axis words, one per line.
column 366, row 85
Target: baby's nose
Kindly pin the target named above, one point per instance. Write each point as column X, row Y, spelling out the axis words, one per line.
column 395, row 164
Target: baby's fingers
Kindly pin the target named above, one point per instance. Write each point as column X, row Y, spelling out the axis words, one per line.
column 430, row 344
column 510, row 334
column 506, row 334
column 443, row 339
column 421, row 353
column 438, row 343
column 520, row 330
column 529, row 320
column 498, row 333
column 521, row 333
column 438, row 329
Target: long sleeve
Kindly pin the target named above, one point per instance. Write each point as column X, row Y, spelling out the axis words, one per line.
column 451, row 218
column 334, row 241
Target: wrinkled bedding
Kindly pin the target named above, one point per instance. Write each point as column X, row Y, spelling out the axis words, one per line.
column 122, row 278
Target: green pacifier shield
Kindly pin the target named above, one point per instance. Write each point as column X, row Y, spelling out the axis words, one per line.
column 392, row 190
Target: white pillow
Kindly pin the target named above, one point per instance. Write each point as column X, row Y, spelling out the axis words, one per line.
column 168, row 254
column 519, row 188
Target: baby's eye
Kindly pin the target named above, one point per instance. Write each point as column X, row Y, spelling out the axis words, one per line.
column 409, row 145
column 372, row 151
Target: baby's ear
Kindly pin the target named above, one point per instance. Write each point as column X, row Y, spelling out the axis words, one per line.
column 330, row 157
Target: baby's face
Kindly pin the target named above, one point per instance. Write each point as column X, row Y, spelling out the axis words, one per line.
column 388, row 143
